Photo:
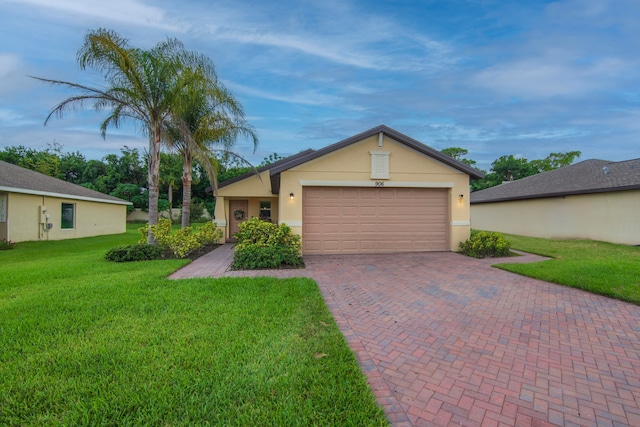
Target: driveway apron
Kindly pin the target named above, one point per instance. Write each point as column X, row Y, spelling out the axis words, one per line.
column 448, row 340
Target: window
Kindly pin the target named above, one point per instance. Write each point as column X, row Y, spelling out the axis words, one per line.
column 68, row 215
column 3, row 208
column 265, row 211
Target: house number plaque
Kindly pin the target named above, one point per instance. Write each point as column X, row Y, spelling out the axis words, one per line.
column 379, row 183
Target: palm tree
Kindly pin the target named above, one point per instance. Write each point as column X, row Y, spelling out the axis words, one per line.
column 170, row 174
column 207, row 119
column 142, row 85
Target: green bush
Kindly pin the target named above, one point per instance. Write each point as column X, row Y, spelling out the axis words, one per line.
column 197, row 210
column 6, row 245
column 136, row 252
column 263, row 244
column 209, row 233
column 183, row 241
column 483, row 244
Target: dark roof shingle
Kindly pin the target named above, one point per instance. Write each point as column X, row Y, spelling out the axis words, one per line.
column 18, row 179
column 589, row 176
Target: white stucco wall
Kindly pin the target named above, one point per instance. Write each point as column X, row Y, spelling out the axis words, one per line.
column 610, row 217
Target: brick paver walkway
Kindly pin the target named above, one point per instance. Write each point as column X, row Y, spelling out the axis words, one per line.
column 447, row 340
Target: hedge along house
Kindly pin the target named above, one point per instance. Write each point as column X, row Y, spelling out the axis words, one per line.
column 34, row 206
column 378, row 191
column 593, row 199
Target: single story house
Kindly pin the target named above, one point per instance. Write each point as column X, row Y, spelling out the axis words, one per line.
column 34, row 206
column 378, row 191
column 593, row 199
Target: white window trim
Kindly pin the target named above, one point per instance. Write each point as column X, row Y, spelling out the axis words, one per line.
column 75, row 213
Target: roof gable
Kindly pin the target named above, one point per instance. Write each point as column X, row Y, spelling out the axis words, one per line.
column 308, row 155
column 397, row 136
column 17, row 179
column 589, row 176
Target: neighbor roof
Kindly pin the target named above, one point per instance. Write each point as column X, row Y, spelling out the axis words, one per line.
column 16, row 179
column 305, row 156
column 589, row 176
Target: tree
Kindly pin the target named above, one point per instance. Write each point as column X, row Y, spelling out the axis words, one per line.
column 72, row 166
column 170, row 174
column 458, row 154
column 92, row 172
column 510, row 168
column 555, row 161
column 272, row 158
column 139, row 84
column 207, row 119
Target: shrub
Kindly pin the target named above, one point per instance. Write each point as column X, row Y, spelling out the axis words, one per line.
column 183, row 241
column 136, row 252
column 209, row 233
column 5, row 245
column 263, row 244
column 197, row 210
column 483, row 244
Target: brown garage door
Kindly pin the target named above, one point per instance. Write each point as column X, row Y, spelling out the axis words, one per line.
column 368, row 220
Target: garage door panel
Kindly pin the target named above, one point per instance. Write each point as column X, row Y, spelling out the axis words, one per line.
column 370, row 220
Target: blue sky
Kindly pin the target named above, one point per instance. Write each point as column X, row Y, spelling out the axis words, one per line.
column 495, row 77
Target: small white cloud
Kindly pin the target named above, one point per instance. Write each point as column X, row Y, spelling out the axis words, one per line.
column 12, row 74
column 13, row 118
column 306, row 97
column 125, row 11
column 541, row 77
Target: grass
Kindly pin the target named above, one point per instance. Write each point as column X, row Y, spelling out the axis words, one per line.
column 87, row 342
column 598, row 267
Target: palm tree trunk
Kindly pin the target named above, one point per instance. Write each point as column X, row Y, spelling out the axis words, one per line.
column 154, row 178
column 170, row 197
column 187, row 167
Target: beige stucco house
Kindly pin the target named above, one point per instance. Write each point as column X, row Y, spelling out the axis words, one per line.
column 593, row 199
column 34, row 206
column 378, row 191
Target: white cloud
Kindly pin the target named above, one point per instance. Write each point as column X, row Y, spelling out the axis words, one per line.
column 374, row 43
column 125, row 11
column 10, row 117
column 541, row 77
column 12, row 74
column 306, row 97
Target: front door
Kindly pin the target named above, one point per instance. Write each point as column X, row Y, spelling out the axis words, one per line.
column 238, row 210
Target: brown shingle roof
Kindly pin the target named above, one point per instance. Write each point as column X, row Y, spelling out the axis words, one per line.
column 589, row 176
column 17, row 179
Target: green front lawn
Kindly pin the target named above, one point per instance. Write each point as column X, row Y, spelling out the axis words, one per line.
column 87, row 342
column 598, row 267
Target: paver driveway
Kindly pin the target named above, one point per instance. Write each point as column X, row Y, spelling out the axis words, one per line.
column 448, row 340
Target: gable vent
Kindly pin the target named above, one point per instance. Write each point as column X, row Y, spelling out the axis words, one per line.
column 379, row 164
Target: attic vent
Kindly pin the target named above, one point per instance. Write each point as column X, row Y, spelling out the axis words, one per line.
column 605, row 170
column 379, row 164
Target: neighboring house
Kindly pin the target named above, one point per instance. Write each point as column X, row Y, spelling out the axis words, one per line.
column 593, row 199
column 379, row 191
column 34, row 206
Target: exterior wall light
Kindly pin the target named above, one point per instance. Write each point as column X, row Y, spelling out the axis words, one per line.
column 291, row 196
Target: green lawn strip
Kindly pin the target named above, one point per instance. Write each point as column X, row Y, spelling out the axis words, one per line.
column 87, row 342
column 598, row 267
